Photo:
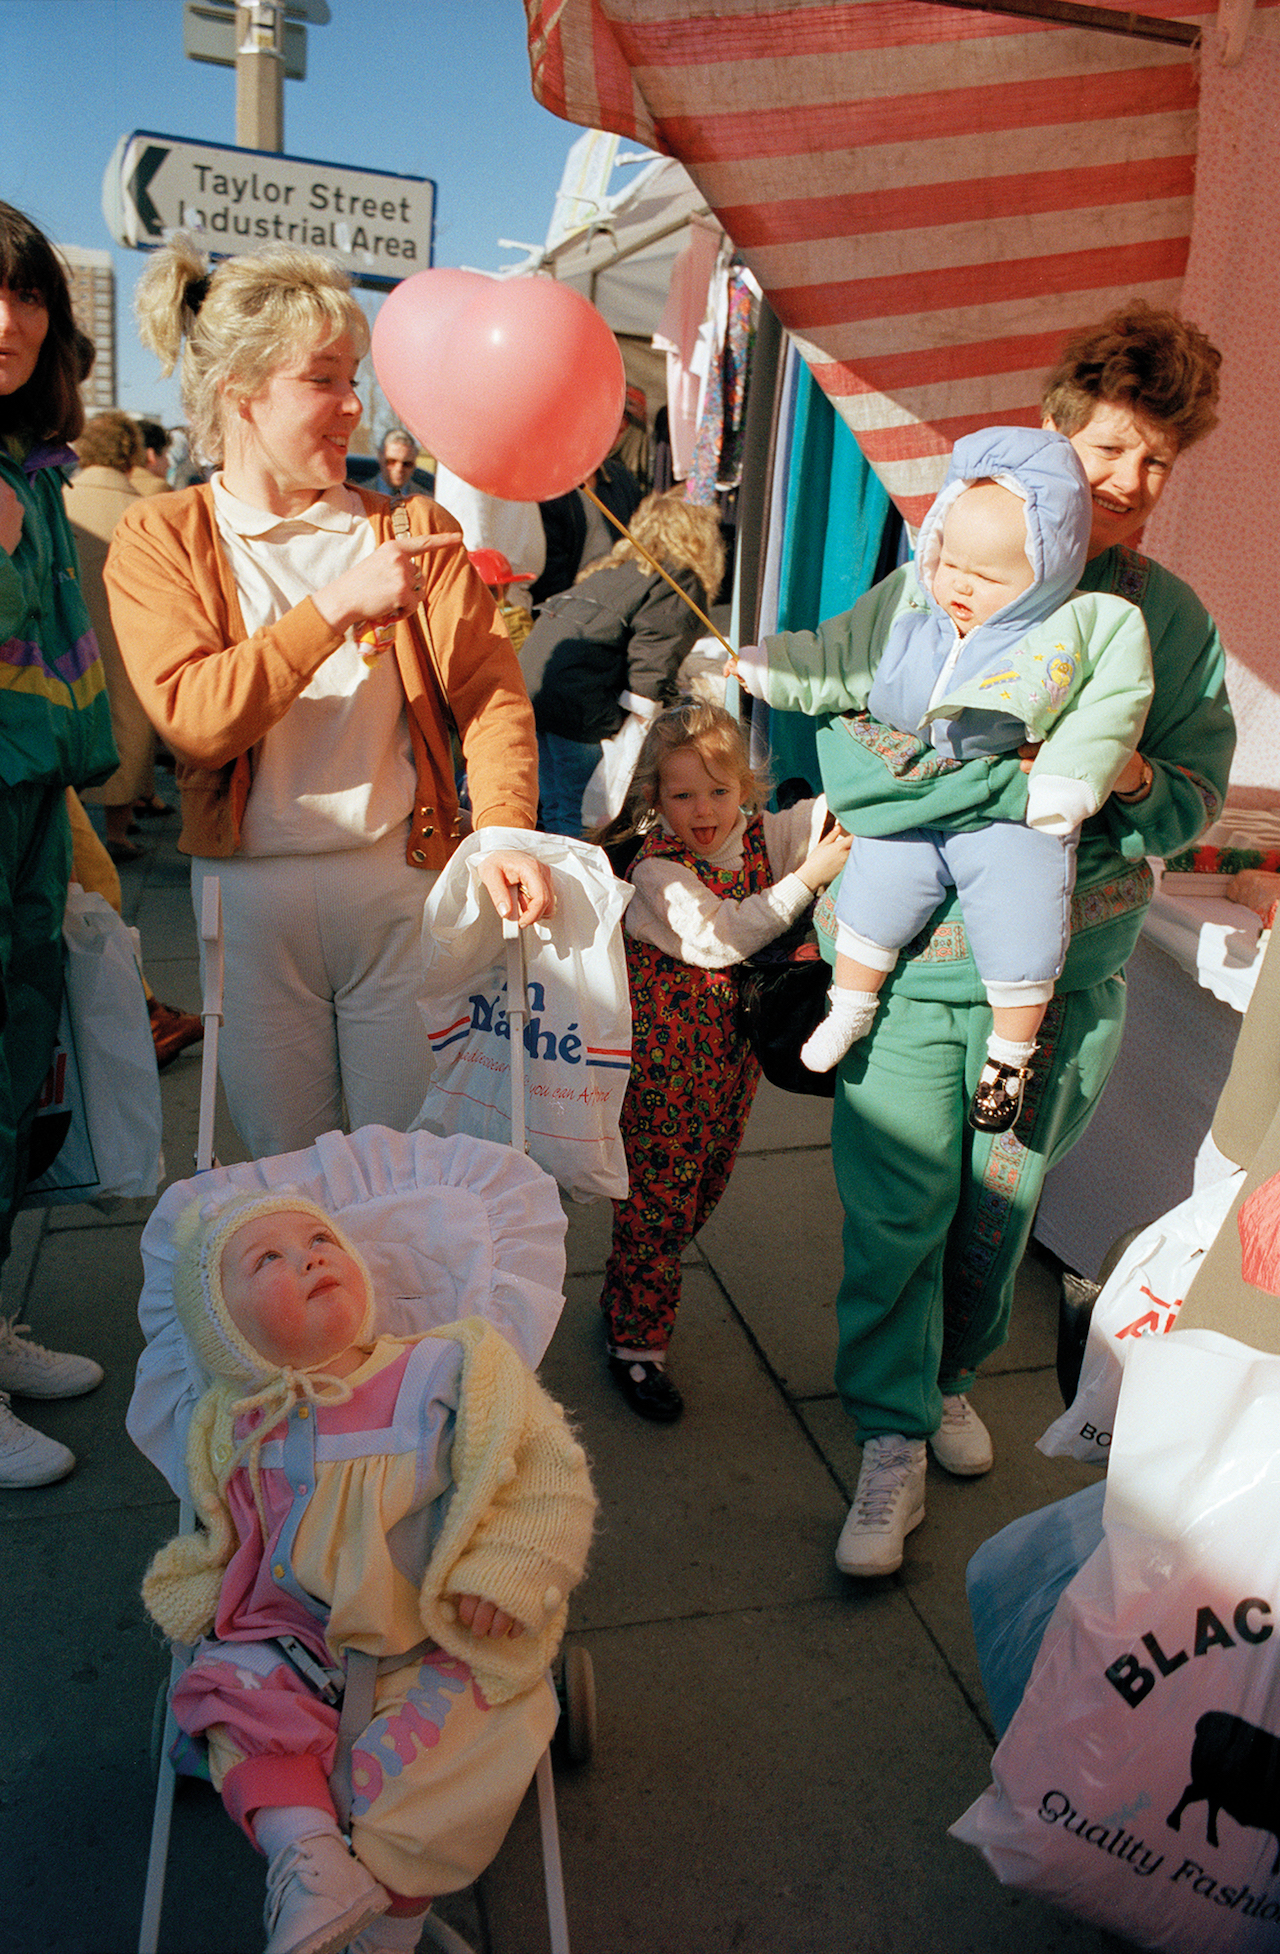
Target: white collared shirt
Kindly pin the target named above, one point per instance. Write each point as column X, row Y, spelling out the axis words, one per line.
column 337, row 771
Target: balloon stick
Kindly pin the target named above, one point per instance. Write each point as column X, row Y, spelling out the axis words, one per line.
column 653, row 563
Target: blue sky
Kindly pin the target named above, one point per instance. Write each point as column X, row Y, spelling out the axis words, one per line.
column 436, row 88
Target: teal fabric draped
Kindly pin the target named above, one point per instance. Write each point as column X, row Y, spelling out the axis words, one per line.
column 835, row 516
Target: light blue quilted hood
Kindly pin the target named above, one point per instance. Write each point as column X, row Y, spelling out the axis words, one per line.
column 1044, row 469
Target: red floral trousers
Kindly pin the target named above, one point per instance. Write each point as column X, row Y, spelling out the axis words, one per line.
column 693, row 1078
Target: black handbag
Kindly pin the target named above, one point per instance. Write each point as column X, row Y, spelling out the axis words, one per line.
column 782, row 998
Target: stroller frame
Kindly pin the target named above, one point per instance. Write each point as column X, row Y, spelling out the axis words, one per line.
column 578, row 1707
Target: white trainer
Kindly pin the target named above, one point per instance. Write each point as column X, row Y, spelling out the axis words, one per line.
column 887, row 1506
column 30, row 1371
column 28, row 1458
column 319, row 1897
column 962, row 1443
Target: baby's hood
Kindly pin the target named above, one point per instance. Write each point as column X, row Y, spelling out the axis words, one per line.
column 1045, row 471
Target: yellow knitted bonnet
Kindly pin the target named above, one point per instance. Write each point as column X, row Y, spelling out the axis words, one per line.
column 200, row 1235
column 183, row 1582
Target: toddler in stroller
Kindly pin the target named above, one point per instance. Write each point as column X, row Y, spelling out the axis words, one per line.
column 402, row 1517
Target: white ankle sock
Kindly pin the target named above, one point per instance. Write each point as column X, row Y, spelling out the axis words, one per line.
column 1005, row 1052
column 658, row 1357
column 276, row 1826
column 850, row 1017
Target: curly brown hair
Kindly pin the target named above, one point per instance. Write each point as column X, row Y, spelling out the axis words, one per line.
column 48, row 407
column 1154, row 362
column 111, row 440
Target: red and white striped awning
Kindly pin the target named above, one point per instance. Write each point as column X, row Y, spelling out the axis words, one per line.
column 930, row 198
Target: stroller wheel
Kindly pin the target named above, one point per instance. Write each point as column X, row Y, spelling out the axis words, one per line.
column 575, row 1738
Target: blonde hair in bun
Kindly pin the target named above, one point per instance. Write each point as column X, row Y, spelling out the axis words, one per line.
column 241, row 321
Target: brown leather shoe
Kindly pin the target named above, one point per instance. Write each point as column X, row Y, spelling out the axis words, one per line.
column 172, row 1031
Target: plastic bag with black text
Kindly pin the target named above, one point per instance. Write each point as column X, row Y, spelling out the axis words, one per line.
column 1138, row 1784
column 577, row 1038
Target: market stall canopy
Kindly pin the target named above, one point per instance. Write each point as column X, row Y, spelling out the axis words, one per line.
column 623, row 258
column 930, row 197
column 619, row 248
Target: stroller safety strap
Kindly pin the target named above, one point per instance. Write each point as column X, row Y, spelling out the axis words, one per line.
column 362, row 1676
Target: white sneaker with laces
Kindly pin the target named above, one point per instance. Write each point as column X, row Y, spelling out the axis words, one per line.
column 30, row 1371
column 319, row 1897
column 28, row 1458
column 888, row 1504
column 962, row 1443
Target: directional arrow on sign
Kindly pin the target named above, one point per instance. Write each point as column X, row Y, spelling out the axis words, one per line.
column 145, row 168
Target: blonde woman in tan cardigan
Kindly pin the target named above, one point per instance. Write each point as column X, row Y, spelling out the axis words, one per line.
column 303, row 661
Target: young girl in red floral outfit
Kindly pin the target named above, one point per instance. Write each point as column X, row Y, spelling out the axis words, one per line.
column 714, row 881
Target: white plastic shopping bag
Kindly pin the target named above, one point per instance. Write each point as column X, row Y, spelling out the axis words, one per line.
column 606, row 790
column 97, row 1133
column 577, row 1036
column 1138, row 1784
column 1141, row 1298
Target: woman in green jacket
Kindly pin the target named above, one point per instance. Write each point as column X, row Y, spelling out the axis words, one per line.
column 55, row 733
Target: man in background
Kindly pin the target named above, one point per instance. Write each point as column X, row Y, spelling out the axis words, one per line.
column 151, row 475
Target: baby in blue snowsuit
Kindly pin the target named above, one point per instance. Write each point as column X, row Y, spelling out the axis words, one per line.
column 989, row 651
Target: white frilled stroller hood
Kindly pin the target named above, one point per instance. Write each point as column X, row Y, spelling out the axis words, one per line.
column 449, row 1228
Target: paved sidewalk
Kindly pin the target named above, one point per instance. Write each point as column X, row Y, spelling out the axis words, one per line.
column 780, row 1750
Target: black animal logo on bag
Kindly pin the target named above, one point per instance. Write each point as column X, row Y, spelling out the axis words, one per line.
column 1235, row 1768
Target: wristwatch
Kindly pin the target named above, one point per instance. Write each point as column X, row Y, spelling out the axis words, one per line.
column 1143, row 788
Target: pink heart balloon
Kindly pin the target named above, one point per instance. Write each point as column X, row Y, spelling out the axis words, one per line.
column 516, row 384
column 409, row 335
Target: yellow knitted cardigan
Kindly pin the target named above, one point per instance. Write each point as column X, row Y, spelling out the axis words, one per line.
column 516, row 1531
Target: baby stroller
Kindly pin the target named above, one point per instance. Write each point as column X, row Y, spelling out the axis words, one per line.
column 449, row 1228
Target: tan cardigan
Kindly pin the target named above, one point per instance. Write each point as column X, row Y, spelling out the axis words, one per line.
column 95, row 501
column 212, row 691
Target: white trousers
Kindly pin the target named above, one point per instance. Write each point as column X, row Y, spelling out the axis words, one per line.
column 323, row 971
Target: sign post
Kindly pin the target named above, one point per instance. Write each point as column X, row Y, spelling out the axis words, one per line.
column 260, row 76
column 265, row 41
column 378, row 225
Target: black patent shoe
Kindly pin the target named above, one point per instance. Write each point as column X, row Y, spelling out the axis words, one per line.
column 997, row 1099
column 647, row 1389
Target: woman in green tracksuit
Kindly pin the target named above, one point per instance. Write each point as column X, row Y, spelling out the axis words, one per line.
column 938, row 1215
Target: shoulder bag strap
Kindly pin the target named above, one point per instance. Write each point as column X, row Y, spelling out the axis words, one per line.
column 418, row 624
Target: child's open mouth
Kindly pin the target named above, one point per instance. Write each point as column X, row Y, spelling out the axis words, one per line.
column 704, row 836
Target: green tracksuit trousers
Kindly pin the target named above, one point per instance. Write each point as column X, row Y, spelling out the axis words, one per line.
column 35, row 864
column 934, row 1209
